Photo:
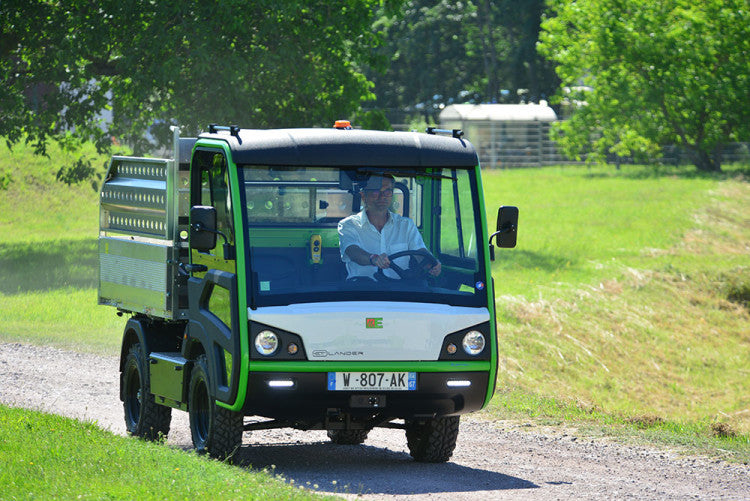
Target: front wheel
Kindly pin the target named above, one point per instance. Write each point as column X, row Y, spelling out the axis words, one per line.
column 215, row 430
column 143, row 416
column 432, row 440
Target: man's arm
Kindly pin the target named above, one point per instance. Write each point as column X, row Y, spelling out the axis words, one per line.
column 351, row 250
column 364, row 258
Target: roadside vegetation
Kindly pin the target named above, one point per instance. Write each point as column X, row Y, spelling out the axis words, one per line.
column 627, row 303
column 622, row 312
column 48, row 253
column 51, row 457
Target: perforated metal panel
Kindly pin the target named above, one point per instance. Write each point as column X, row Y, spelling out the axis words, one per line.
column 134, row 199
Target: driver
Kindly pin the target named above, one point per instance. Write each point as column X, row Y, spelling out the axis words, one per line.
column 368, row 238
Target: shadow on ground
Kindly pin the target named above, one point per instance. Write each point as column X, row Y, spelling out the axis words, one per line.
column 521, row 258
column 362, row 469
column 41, row 266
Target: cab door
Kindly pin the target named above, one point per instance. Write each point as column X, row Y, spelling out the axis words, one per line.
column 213, row 290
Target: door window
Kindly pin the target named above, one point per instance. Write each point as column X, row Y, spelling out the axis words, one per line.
column 214, row 189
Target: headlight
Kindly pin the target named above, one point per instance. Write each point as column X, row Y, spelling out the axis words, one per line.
column 266, row 342
column 473, row 343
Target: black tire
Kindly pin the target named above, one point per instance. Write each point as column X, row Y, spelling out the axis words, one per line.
column 348, row 437
column 215, row 430
column 143, row 416
column 432, row 440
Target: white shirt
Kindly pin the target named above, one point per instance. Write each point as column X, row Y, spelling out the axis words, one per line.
column 399, row 234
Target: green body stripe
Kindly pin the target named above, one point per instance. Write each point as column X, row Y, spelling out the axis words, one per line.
column 295, row 366
column 240, row 244
column 489, row 288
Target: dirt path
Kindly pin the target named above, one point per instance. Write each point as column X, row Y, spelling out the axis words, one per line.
column 489, row 463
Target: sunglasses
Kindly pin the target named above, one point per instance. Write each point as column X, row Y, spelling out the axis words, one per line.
column 387, row 192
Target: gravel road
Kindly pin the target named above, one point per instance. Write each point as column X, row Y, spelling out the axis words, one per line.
column 492, row 460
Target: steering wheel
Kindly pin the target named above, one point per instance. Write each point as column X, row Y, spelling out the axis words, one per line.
column 420, row 272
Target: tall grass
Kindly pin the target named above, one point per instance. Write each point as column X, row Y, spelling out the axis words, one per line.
column 578, row 224
column 628, row 294
column 51, row 457
column 48, row 254
column 35, row 207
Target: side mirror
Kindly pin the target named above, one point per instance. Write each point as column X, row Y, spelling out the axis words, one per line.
column 507, row 227
column 202, row 228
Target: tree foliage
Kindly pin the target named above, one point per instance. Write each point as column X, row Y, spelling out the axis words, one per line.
column 441, row 52
column 265, row 63
column 660, row 72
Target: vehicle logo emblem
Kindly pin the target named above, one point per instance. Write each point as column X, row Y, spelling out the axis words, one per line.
column 374, row 323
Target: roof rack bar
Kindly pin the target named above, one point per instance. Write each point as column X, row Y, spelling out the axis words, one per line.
column 234, row 130
column 457, row 133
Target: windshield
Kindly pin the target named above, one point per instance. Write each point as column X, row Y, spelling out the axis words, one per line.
column 347, row 234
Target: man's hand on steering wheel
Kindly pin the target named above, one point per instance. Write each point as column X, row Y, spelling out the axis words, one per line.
column 427, row 267
column 435, row 270
column 380, row 260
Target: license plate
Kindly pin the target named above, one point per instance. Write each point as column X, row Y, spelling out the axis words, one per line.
column 372, row 381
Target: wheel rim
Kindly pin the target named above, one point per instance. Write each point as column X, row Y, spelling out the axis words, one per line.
column 133, row 396
column 199, row 411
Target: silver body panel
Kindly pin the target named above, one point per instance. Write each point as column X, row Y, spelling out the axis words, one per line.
column 336, row 331
column 134, row 276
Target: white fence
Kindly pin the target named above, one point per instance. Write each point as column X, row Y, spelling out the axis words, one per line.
column 514, row 144
column 527, row 144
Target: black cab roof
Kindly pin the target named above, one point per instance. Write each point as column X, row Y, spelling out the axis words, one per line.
column 336, row 147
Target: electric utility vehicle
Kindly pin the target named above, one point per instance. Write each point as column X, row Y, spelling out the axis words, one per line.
column 226, row 258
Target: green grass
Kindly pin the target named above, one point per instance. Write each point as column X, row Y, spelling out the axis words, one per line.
column 577, row 223
column 50, row 457
column 530, row 411
column 36, row 207
column 628, row 294
column 65, row 317
column 48, row 255
column 624, row 307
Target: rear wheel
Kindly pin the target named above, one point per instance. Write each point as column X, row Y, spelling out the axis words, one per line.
column 432, row 440
column 348, row 437
column 215, row 430
column 143, row 416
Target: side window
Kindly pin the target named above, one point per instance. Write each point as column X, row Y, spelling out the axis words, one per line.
column 214, row 191
column 457, row 226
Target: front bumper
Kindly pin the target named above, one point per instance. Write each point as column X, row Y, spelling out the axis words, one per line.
column 309, row 400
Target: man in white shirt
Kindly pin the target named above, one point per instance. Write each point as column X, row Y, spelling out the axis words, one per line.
column 368, row 238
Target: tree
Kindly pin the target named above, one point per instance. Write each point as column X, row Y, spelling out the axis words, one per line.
column 265, row 63
column 661, row 72
column 469, row 51
column 524, row 65
column 429, row 64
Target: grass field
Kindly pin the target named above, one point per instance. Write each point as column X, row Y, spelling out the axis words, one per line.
column 50, row 457
column 48, row 255
column 623, row 310
column 628, row 297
